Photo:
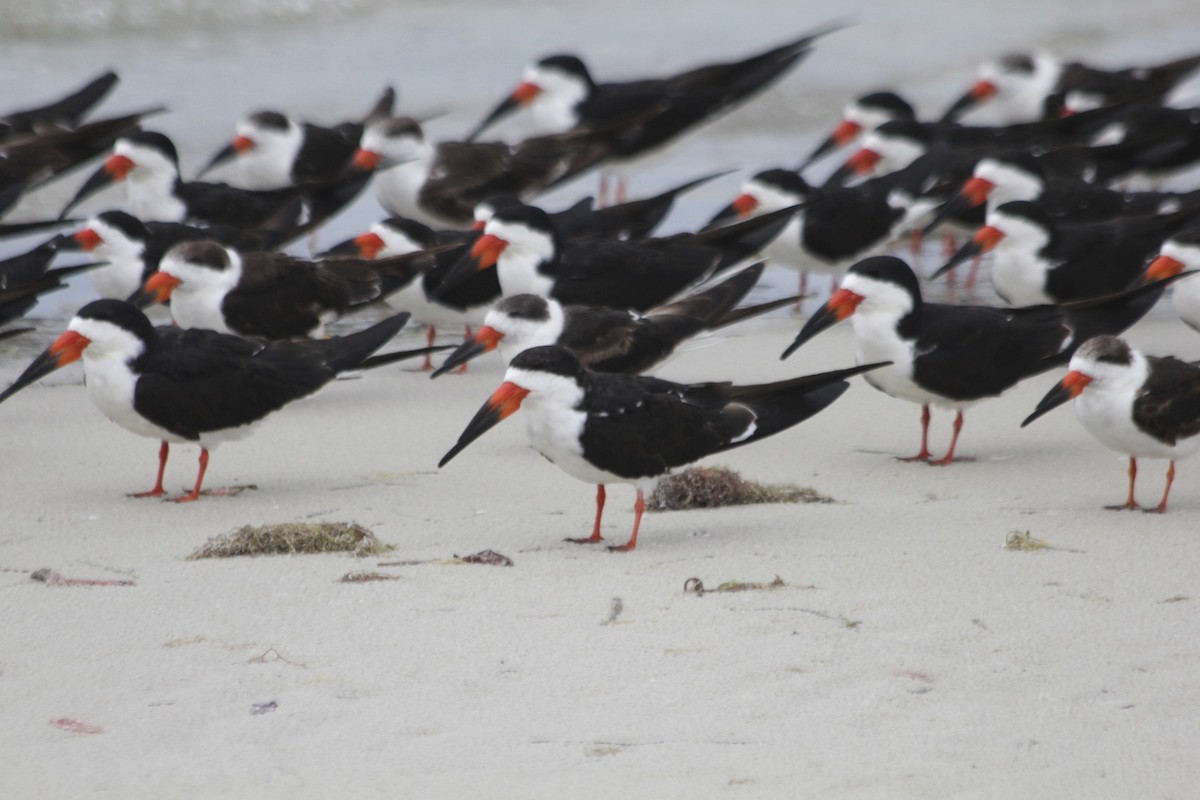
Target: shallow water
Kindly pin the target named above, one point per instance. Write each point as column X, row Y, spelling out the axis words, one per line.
column 326, row 60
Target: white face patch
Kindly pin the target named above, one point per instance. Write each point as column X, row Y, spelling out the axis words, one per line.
column 554, row 107
column 1010, row 183
column 150, row 185
column 196, row 302
column 527, row 249
column 268, row 165
column 523, row 334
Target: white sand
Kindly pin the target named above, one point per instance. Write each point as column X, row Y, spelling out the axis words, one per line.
column 909, row 655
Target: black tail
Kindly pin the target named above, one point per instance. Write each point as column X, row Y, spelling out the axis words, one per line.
column 352, row 350
column 778, row 406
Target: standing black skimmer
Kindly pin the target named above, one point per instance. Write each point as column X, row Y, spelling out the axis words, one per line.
column 604, row 339
column 1022, row 87
column 180, row 385
column 833, row 227
column 1145, row 407
column 441, row 184
column 609, row 428
column 464, row 305
column 1179, row 253
column 268, row 294
column 1017, row 175
column 644, row 114
column 66, row 113
column 530, row 258
column 273, row 151
column 862, row 116
column 149, row 165
column 1038, row 259
column 131, row 249
column 953, row 356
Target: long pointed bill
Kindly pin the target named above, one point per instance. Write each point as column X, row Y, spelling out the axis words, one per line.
column 86, row 240
column 116, row 168
column 840, row 306
column 978, row 93
column 485, row 340
column 1161, row 268
column 224, row 155
column 974, row 193
column 842, row 135
column 984, row 240
column 503, row 402
column 65, row 349
column 951, row 207
column 367, row 245
column 159, row 286
column 366, row 160
column 522, row 96
column 864, row 161
column 482, row 255
column 1070, row 387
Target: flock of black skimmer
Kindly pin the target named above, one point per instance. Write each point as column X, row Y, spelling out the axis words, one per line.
column 581, row 300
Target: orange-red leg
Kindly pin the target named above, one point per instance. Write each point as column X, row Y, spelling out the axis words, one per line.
column 1130, row 504
column 157, row 491
column 949, row 457
column 462, row 370
column 1162, row 506
column 430, row 334
column 638, row 508
column 195, row 493
column 595, row 537
column 924, row 454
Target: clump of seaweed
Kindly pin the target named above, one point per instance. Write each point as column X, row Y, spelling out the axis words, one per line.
column 1024, row 540
column 710, row 487
column 290, row 538
column 367, row 577
column 696, row 586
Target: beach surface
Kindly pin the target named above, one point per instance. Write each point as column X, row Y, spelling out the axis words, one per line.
column 908, row 652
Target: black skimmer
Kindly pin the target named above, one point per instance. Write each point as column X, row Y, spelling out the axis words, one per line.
column 833, row 227
column 644, row 114
column 605, row 339
column 1159, row 141
column 1038, row 259
column 897, row 143
column 1142, row 406
column 609, row 428
column 1180, row 253
column 271, row 150
column 198, row 386
column 147, row 162
column 860, row 117
column 530, row 258
column 464, row 305
column 1018, row 175
column 441, row 184
column 131, row 249
column 1023, row 87
column 954, row 356
column 65, row 113
column 269, row 294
